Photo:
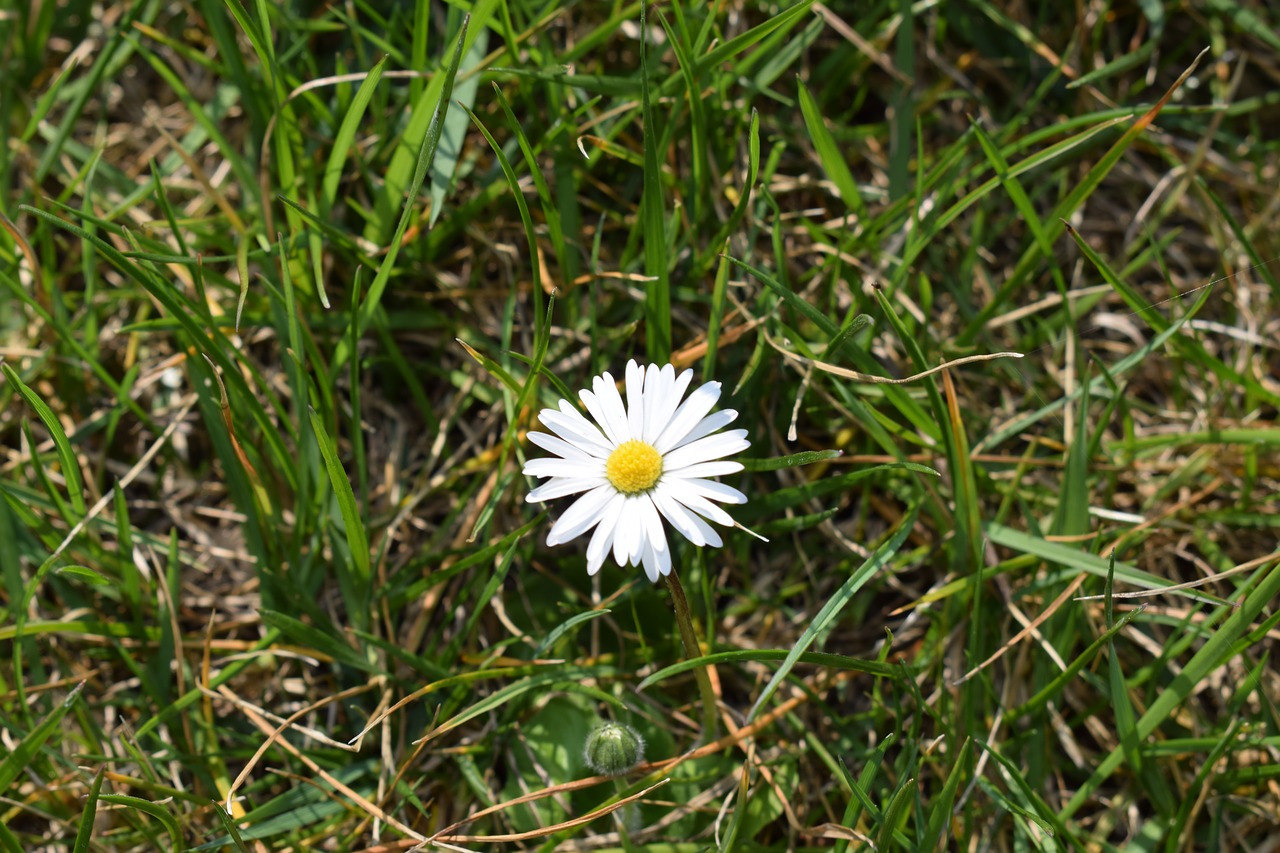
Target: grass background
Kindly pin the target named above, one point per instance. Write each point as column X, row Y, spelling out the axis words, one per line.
column 276, row 313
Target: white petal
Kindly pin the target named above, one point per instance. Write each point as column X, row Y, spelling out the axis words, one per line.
column 611, row 402
column 581, row 516
column 673, row 388
column 654, row 531
column 706, row 449
column 702, row 506
column 664, row 561
column 635, row 398
column 636, row 508
column 597, row 411
column 627, row 528
column 706, row 426
column 702, row 469
column 561, row 448
column 712, row 489
column 686, row 417
column 569, row 424
column 550, row 466
column 691, row 526
column 559, row 487
column 602, row 539
column 651, row 566
column 654, row 389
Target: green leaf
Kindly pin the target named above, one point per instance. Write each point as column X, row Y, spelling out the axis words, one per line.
column 84, row 573
column 871, row 667
column 940, row 807
column 657, row 310
column 70, row 468
column 352, row 523
column 793, row 460
column 157, row 811
column 1217, row 650
column 84, row 832
column 317, row 640
column 24, row 753
column 829, row 154
column 346, row 135
column 819, row 624
column 439, row 94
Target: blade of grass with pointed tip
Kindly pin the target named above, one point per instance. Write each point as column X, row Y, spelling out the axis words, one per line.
column 352, row 523
column 738, row 44
column 895, row 814
column 542, row 325
column 426, row 155
column 321, row 642
column 716, row 317
column 1081, row 191
column 657, row 304
column 549, row 209
column 1220, row 648
column 1123, row 714
column 1071, row 557
column 878, row 560
column 940, row 807
column 453, row 134
column 677, row 38
column 229, row 827
column 1158, row 323
column 744, row 197
column 1025, row 206
column 343, row 139
column 84, row 832
column 829, row 154
column 832, row 661
column 160, row 813
column 794, row 460
column 900, row 399
column 1019, row 425
column 67, row 456
column 408, row 165
column 1068, row 675
column 1030, row 803
column 24, row 752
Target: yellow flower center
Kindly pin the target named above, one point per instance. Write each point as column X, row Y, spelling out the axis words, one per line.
column 633, row 467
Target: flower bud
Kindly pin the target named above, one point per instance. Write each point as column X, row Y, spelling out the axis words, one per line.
column 613, row 749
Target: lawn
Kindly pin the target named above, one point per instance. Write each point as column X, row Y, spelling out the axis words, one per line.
column 293, row 294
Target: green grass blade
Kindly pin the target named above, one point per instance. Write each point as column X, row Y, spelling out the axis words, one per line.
column 940, row 809
column 67, row 456
column 157, row 811
column 343, row 139
column 352, row 523
column 426, row 154
column 831, row 610
column 829, row 153
column 1217, row 650
column 84, row 832
column 653, row 216
column 13, row 764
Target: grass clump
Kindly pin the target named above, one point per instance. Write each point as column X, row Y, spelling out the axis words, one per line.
column 284, row 286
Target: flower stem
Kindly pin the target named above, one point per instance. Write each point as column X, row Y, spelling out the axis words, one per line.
column 684, row 619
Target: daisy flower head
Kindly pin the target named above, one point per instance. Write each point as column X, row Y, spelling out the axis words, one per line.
column 640, row 463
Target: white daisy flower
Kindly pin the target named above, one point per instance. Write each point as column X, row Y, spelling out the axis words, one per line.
column 638, row 464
